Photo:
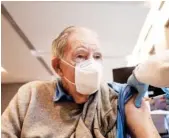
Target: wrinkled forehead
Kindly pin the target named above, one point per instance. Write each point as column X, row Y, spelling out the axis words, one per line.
column 84, row 37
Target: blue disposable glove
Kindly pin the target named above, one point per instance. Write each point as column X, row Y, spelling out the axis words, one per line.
column 166, row 90
column 140, row 87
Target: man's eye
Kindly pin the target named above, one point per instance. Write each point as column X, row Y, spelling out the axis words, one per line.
column 97, row 57
column 80, row 57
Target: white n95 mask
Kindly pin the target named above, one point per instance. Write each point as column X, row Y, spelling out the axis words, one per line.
column 88, row 75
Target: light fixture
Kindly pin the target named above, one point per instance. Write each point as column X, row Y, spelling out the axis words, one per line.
column 132, row 60
column 39, row 53
column 3, row 70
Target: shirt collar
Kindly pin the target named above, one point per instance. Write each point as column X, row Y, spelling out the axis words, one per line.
column 60, row 94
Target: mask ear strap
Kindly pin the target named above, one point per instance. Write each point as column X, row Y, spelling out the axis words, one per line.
column 67, row 63
column 71, row 66
column 69, row 81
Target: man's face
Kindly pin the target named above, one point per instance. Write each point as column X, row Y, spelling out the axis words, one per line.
column 82, row 45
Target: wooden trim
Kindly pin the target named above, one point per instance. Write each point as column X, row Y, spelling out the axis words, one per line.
column 167, row 24
column 148, row 33
column 152, row 50
column 161, row 5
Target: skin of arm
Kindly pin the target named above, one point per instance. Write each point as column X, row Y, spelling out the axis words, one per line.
column 139, row 120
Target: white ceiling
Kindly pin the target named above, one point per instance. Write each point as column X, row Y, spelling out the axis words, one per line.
column 117, row 23
column 17, row 59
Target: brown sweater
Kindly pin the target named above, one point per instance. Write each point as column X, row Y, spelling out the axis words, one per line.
column 33, row 114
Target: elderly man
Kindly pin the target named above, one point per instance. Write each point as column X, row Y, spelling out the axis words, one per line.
column 79, row 104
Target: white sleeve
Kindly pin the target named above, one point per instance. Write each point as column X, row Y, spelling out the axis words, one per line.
column 155, row 70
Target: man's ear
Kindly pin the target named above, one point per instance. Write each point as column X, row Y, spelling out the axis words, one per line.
column 56, row 66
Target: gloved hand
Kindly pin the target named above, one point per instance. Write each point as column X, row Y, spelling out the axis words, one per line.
column 140, row 87
column 166, row 90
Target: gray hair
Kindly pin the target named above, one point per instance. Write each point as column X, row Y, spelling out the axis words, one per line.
column 59, row 44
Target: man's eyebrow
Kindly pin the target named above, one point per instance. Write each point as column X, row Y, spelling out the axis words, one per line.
column 97, row 52
column 81, row 46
